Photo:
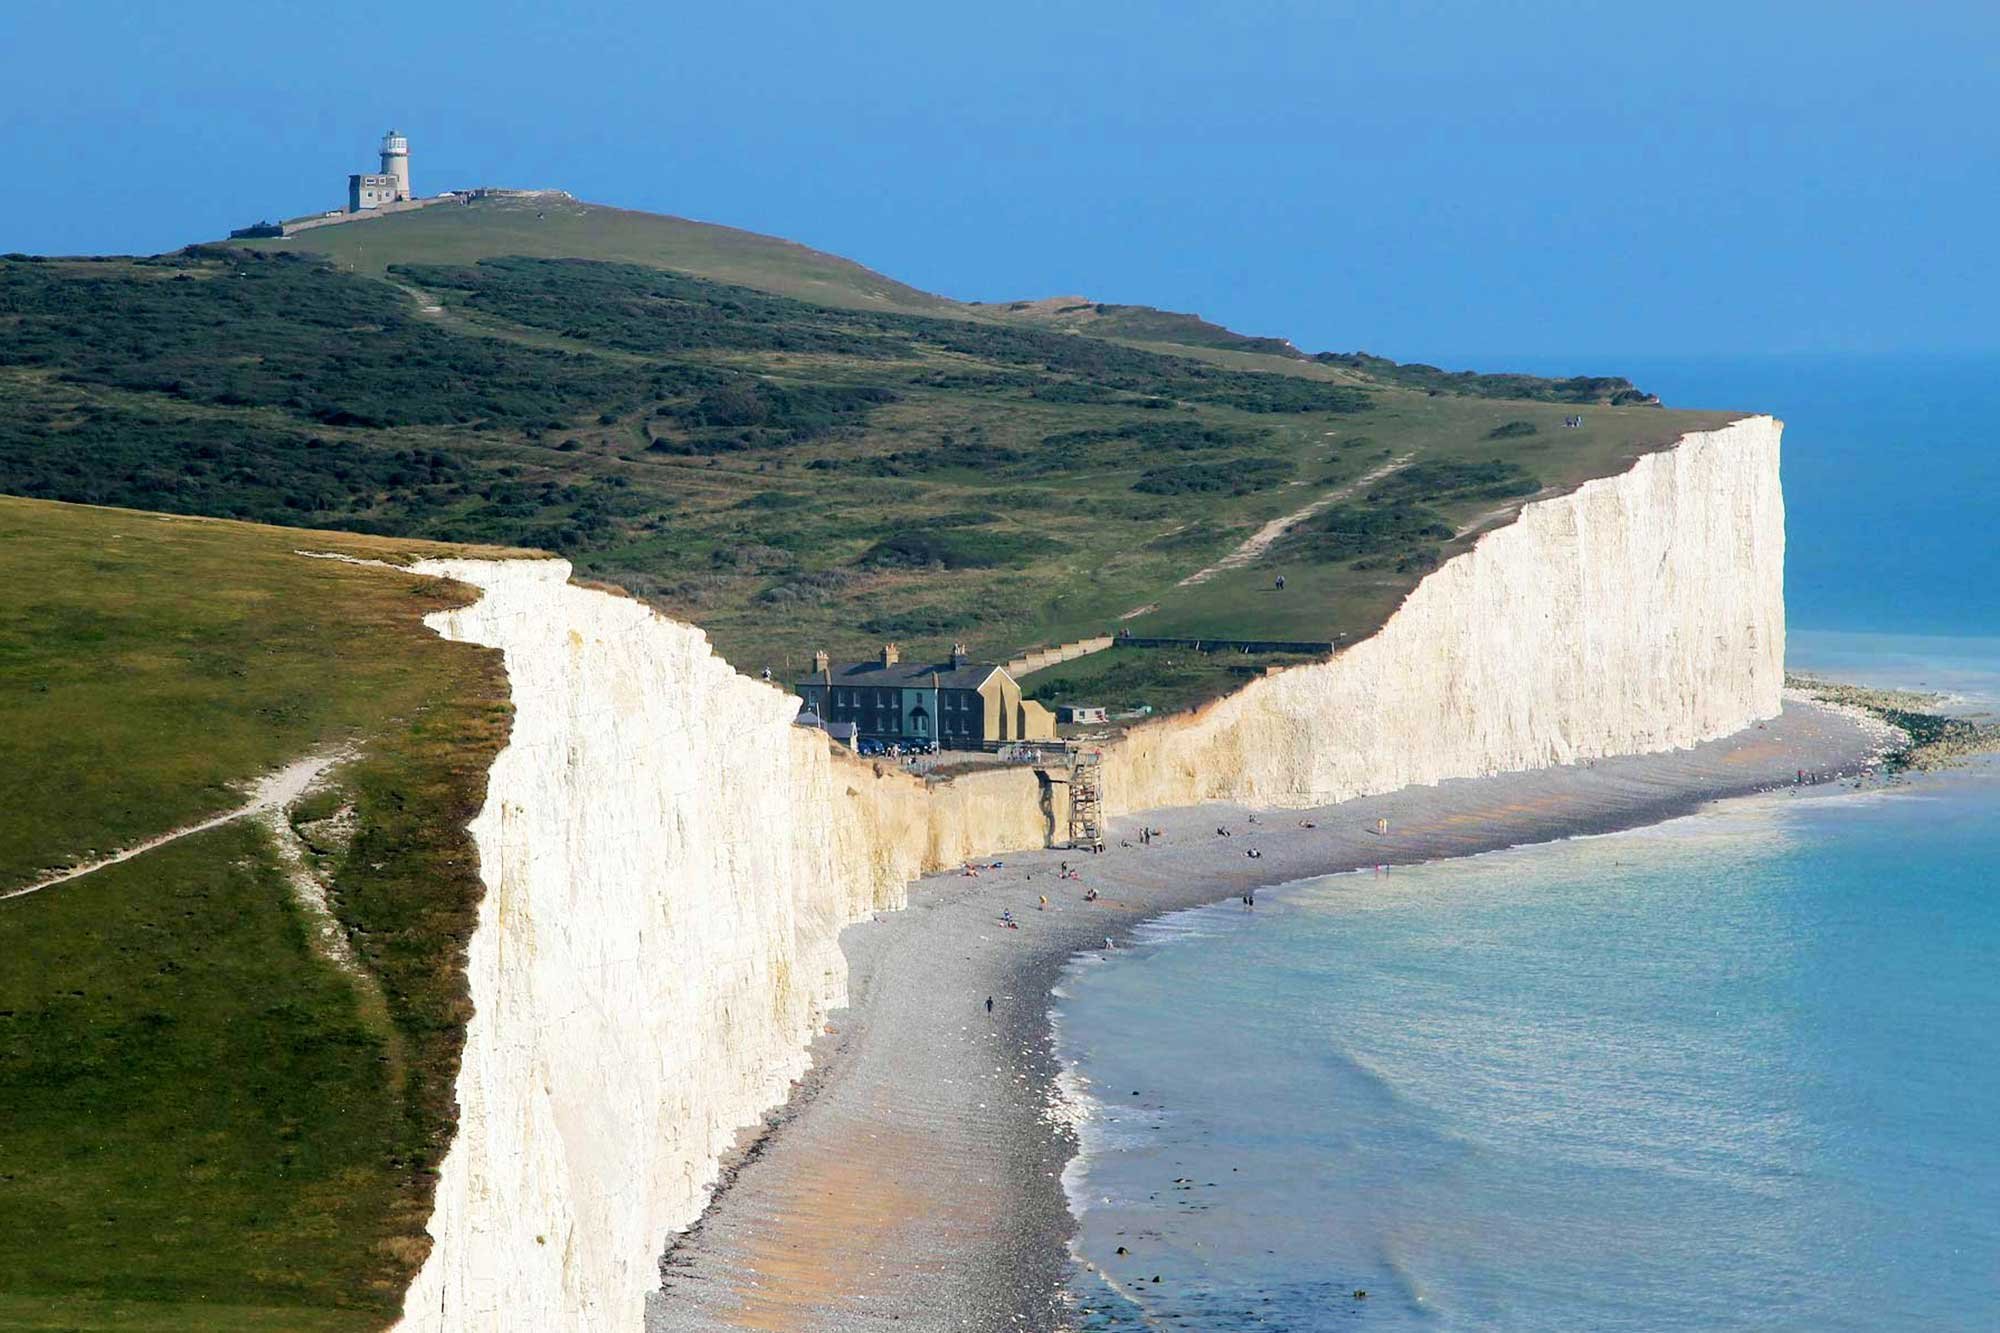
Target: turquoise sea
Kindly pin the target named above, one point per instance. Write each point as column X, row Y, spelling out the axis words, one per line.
column 1737, row 1071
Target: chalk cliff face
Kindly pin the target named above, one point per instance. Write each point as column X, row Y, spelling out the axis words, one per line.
column 1641, row 612
column 669, row 862
column 667, row 866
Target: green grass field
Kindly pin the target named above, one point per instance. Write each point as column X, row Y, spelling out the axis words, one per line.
column 205, row 1125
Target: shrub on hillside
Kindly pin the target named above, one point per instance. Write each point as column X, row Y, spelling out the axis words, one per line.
column 1241, row 477
column 1347, row 531
column 1436, row 483
column 919, row 622
column 955, row 548
column 1612, row 389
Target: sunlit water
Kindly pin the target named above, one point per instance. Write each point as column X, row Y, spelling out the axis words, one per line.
column 1739, row 1071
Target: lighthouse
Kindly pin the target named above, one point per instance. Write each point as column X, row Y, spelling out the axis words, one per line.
column 396, row 162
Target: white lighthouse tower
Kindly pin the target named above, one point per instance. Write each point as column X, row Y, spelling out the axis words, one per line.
column 396, row 162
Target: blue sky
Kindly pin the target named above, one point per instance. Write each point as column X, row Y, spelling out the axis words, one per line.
column 1437, row 179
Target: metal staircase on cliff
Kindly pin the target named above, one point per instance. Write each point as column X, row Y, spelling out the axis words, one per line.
column 1086, row 799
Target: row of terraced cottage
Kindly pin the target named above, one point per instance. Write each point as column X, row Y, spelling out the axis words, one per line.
column 958, row 704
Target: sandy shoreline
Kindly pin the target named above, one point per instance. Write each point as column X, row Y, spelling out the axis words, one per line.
column 913, row 1181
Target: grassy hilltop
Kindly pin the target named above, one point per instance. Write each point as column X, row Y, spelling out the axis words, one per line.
column 554, row 227
column 653, row 399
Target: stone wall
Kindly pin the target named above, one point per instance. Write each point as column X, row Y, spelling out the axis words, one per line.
column 1062, row 652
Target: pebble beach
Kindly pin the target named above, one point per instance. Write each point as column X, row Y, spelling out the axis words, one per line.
column 913, row 1181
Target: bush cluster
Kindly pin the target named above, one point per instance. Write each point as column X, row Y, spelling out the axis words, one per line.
column 1399, row 529
column 1613, row 389
column 239, row 328
column 955, row 548
column 1436, row 483
column 1240, row 477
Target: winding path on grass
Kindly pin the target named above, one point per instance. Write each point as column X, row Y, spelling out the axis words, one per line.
column 274, row 792
column 1262, row 539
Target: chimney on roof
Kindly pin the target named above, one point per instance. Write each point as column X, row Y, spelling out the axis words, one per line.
column 959, row 657
column 820, row 663
column 891, row 654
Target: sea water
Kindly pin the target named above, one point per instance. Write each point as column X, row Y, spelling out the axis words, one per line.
column 1737, row 1071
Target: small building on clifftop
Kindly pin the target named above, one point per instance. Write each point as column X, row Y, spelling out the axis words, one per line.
column 956, row 703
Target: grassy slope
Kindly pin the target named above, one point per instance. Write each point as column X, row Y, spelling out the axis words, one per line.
column 553, row 228
column 771, row 547
column 205, row 1128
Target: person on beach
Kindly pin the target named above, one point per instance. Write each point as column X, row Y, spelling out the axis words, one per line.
column 1043, row 905
column 989, row 1004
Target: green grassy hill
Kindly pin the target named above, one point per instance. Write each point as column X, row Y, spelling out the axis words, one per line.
column 788, row 474
column 555, row 227
column 208, row 1125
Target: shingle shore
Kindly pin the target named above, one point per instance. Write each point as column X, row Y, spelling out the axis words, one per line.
column 913, row 1181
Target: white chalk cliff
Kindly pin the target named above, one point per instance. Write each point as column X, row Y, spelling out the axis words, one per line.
column 669, row 862
column 1640, row 612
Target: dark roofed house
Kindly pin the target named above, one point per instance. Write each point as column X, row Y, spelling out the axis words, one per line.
column 958, row 703
column 844, row 732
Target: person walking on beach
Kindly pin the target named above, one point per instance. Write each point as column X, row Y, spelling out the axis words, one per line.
column 989, row 1004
